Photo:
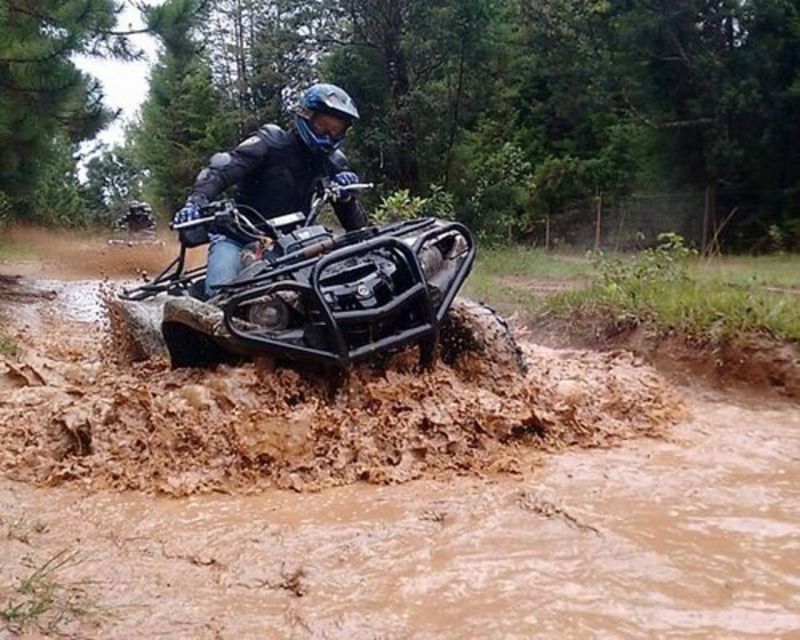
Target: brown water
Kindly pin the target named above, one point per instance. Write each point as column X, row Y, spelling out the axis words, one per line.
column 693, row 534
column 692, row 538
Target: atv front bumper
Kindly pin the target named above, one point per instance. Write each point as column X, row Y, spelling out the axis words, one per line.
column 338, row 336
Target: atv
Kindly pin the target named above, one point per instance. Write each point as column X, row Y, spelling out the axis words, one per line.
column 312, row 296
column 136, row 226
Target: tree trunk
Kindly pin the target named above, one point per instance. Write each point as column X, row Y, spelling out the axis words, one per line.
column 397, row 71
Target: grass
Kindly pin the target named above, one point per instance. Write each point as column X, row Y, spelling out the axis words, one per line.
column 8, row 346
column 502, row 275
column 705, row 309
column 781, row 271
column 21, row 529
column 666, row 288
column 42, row 601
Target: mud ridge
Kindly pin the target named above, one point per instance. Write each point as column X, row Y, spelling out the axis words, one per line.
column 751, row 360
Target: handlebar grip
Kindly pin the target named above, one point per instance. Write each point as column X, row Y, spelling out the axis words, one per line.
column 191, row 223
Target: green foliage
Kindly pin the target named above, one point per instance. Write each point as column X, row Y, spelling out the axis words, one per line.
column 497, row 206
column 42, row 602
column 665, row 263
column 113, row 179
column 5, row 211
column 574, row 98
column 58, row 201
column 655, row 289
column 182, row 121
column 401, row 205
column 516, row 108
column 43, row 95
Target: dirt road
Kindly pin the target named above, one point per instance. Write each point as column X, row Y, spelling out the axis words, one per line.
column 591, row 499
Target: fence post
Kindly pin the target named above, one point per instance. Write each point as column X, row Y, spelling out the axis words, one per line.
column 547, row 232
column 598, row 221
column 706, row 218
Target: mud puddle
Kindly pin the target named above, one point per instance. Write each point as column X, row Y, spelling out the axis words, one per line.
column 691, row 538
column 690, row 533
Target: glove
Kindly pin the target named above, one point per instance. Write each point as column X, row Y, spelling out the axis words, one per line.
column 343, row 179
column 189, row 212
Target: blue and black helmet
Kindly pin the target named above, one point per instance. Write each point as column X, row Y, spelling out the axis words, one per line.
column 323, row 98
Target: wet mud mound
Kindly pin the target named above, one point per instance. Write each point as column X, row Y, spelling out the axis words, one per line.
column 150, row 428
column 74, row 409
column 751, row 360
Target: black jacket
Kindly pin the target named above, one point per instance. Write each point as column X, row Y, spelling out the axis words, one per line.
column 274, row 173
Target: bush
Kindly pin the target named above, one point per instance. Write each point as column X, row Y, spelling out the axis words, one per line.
column 5, row 210
column 654, row 288
column 401, row 205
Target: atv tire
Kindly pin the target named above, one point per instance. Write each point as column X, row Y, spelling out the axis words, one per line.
column 471, row 326
column 136, row 329
column 195, row 334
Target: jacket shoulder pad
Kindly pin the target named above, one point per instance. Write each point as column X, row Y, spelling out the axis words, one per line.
column 338, row 161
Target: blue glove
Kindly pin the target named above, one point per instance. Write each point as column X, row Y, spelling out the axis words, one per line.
column 344, row 178
column 189, row 212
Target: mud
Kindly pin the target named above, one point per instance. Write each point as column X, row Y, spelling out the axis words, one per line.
column 76, row 255
column 538, row 509
column 748, row 361
column 691, row 537
column 72, row 411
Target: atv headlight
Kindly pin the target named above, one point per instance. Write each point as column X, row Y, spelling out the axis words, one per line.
column 431, row 260
column 270, row 313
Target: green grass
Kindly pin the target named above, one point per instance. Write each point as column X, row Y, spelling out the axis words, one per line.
column 782, row 271
column 705, row 309
column 501, row 275
column 8, row 346
column 535, row 263
column 42, row 601
column 665, row 289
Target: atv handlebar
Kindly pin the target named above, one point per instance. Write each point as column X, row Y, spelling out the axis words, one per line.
column 214, row 211
column 223, row 216
column 332, row 192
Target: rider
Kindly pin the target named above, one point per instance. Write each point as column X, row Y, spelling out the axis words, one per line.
column 277, row 172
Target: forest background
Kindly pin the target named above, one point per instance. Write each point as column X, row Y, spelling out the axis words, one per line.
column 580, row 122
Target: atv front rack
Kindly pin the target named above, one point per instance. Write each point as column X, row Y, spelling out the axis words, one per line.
column 173, row 280
column 333, row 327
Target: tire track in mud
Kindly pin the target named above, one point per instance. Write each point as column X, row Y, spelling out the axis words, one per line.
column 70, row 411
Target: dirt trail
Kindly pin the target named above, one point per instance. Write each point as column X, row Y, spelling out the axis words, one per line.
column 691, row 533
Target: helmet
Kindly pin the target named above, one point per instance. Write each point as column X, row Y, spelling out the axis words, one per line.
column 323, row 98
column 135, row 205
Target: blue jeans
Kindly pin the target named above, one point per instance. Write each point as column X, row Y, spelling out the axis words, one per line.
column 224, row 261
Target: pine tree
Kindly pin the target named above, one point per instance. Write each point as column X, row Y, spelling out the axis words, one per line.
column 42, row 93
column 182, row 121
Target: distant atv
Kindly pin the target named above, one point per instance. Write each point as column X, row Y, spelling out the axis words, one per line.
column 136, row 226
column 316, row 297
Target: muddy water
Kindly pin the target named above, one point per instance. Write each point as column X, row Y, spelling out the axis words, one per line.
column 697, row 537
column 693, row 534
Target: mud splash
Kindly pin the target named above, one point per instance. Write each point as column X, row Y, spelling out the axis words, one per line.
column 71, row 412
